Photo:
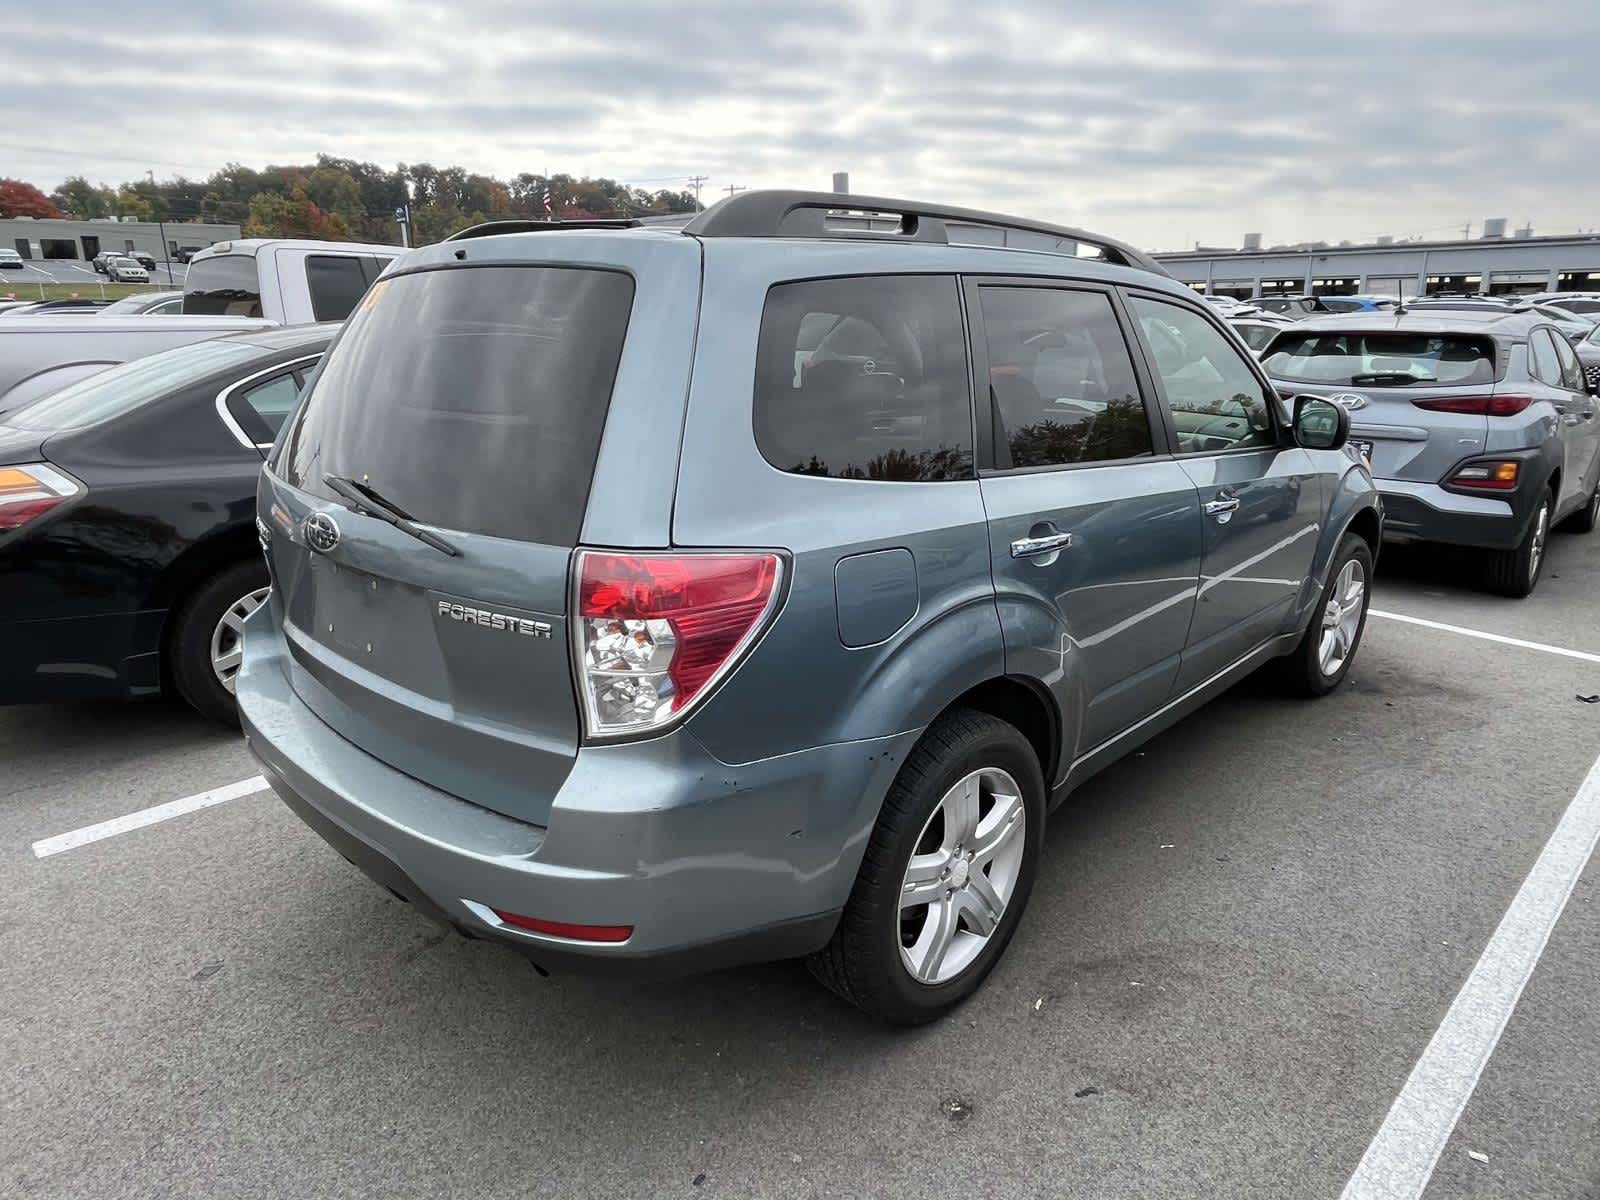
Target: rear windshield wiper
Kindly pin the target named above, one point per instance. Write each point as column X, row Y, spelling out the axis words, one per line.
column 1390, row 378
column 367, row 499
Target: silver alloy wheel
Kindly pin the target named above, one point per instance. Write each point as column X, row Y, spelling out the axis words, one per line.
column 1341, row 617
column 962, row 874
column 1541, row 529
column 227, row 639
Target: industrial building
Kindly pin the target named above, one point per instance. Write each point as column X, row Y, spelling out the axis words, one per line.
column 1493, row 264
column 45, row 238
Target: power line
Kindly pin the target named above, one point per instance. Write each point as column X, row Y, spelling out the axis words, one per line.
column 695, row 181
column 732, row 188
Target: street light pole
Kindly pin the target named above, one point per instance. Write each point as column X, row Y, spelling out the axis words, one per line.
column 166, row 248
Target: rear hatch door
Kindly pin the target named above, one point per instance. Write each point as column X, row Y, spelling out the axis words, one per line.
column 1384, row 377
column 474, row 399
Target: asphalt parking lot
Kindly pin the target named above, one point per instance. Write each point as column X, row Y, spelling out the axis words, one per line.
column 38, row 271
column 1243, row 940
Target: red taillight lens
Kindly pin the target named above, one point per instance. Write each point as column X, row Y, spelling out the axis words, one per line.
column 565, row 929
column 30, row 491
column 1501, row 404
column 654, row 631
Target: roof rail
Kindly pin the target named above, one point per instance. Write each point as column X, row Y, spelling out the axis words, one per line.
column 778, row 213
column 492, row 228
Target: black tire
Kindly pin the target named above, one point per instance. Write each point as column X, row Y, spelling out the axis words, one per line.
column 863, row 963
column 1588, row 517
column 189, row 646
column 1516, row 572
column 1303, row 670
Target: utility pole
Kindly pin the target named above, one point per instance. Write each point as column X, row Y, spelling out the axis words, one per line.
column 695, row 181
column 166, row 249
column 732, row 188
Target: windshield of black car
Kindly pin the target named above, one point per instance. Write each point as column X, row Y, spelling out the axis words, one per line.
column 1316, row 356
column 124, row 388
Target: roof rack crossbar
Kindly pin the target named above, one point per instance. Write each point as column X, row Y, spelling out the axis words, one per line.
column 493, row 228
column 779, row 213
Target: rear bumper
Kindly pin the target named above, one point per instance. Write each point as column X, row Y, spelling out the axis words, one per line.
column 711, row 864
column 1426, row 512
column 80, row 658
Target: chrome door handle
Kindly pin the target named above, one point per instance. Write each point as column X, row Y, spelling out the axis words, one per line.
column 1215, row 508
column 1029, row 546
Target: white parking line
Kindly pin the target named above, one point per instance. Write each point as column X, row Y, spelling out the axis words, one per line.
column 1581, row 655
column 1400, row 1160
column 147, row 816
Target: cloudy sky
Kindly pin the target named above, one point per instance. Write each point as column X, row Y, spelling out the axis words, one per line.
column 1165, row 122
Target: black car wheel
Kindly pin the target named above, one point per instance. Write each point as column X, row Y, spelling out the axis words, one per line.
column 1516, row 572
column 1322, row 659
column 946, row 875
column 204, row 651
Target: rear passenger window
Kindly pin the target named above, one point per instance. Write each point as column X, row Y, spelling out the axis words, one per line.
column 337, row 284
column 1542, row 351
column 1571, row 368
column 262, row 408
column 1217, row 402
column 864, row 378
column 1061, row 380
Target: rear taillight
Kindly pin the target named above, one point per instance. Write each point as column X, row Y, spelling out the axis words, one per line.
column 656, row 631
column 28, row 492
column 1493, row 476
column 1500, row 404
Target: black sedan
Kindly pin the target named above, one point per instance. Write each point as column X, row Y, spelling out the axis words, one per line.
column 128, row 542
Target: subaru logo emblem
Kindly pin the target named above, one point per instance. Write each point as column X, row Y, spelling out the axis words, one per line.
column 322, row 532
column 1349, row 401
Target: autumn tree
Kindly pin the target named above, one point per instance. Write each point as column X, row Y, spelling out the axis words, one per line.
column 18, row 199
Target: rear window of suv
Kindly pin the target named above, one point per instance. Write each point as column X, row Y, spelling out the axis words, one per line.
column 471, row 397
column 1385, row 358
column 225, row 286
column 865, row 378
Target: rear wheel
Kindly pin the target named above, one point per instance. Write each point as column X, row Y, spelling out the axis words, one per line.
column 946, row 875
column 1322, row 660
column 206, row 647
column 1516, row 572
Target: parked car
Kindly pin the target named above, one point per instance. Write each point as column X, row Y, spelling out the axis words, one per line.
column 40, row 354
column 287, row 282
column 1575, row 326
column 1583, row 303
column 1257, row 331
column 124, row 270
column 98, row 262
column 145, row 260
column 1357, row 303
column 1477, row 422
column 686, row 622
column 10, row 260
column 1588, row 351
column 69, row 306
column 127, row 531
column 163, row 304
column 1291, row 306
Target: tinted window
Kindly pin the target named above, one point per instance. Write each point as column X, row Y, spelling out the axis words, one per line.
column 1386, row 358
column 111, row 393
column 223, row 286
column 262, row 408
column 1542, row 358
column 1061, row 380
column 1571, row 368
column 1216, row 400
column 473, row 398
column 880, row 393
column 1256, row 336
column 337, row 285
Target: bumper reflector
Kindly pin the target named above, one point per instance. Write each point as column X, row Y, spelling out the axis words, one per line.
column 564, row 929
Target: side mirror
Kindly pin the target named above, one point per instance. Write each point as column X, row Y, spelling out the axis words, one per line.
column 1320, row 424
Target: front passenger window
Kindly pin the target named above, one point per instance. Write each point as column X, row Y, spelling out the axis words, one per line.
column 1217, row 401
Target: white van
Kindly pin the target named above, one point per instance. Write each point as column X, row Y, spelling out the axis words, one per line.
column 289, row 282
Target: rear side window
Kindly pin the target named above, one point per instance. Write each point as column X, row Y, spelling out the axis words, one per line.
column 262, row 407
column 1061, row 381
column 865, row 378
column 1381, row 358
column 471, row 397
column 337, row 284
column 1256, row 336
column 1542, row 355
column 1571, row 368
column 225, row 286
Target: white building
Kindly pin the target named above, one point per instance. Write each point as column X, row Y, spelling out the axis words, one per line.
column 44, row 238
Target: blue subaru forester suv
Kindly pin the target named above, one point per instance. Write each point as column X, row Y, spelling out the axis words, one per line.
column 665, row 598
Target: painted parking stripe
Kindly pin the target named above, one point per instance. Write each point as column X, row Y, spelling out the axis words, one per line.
column 147, row 816
column 1581, row 655
column 1401, row 1159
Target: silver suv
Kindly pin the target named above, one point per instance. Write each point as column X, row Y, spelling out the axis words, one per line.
column 657, row 598
column 1479, row 424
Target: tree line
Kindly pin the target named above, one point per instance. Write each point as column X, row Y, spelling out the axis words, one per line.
column 340, row 198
